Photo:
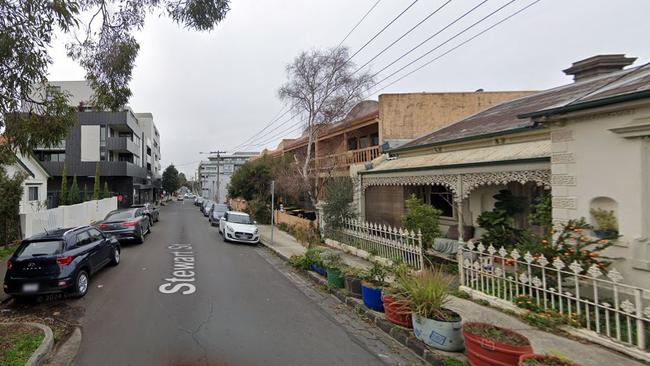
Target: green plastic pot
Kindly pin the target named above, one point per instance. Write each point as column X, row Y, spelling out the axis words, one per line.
column 334, row 278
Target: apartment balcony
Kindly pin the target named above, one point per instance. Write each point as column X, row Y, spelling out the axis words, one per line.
column 122, row 145
column 106, row 169
column 343, row 161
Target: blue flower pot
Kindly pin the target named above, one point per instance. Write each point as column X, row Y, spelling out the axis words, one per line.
column 371, row 297
column 318, row 269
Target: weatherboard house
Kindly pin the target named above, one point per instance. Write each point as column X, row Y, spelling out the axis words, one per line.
column 587, row 142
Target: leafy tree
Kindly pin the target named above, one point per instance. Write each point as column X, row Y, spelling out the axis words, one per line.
column 170, row 179
column 542, row 212
column 105, row 46
column 97, row 193
column 182, row 180
column 338, row 204
column 252, row 180
column 322, row 85
column 423, row 217
column 63, row 195
column 11, row 191
column 106, row 193
column 74, row 196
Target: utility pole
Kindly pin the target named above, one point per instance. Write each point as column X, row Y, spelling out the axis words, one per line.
column 218, row 152
column 272, row 209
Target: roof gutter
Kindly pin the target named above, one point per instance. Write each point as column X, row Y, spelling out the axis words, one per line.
column 462, row 139
column 462, row 165
column 587, row 105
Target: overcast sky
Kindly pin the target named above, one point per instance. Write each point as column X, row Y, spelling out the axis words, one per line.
column 214, row 90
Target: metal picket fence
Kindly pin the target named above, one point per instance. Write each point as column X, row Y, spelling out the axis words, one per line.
column 381, row 240
column 594, row 299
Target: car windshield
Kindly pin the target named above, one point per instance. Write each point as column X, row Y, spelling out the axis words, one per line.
column 40, row 248
column 221, row 208
column 117, row 215
column 239, row 219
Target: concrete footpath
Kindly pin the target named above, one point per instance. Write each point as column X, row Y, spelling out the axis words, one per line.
column 543, row 342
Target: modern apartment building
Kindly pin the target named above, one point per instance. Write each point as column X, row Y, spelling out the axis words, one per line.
column 215, row 173
column 126, row 148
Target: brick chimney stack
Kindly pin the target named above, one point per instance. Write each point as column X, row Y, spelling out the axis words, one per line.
column 598, row 65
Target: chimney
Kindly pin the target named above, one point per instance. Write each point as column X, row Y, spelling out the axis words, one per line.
column 598, row 65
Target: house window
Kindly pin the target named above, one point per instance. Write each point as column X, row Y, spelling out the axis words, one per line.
column 102, row 136
column 32, row 193
column 102, row 154
column 442, row 199
column 352, row 143
column 364, row 142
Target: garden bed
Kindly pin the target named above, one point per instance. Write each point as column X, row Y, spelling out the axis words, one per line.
column 18, row 342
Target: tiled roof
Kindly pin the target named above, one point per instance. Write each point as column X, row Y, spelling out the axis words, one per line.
column 507, row 116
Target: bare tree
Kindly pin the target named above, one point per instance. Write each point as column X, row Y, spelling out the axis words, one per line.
column 322, row 86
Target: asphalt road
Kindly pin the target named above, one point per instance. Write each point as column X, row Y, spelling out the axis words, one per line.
column 247, row 308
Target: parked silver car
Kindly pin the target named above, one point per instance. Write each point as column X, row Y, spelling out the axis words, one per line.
column 216, row 213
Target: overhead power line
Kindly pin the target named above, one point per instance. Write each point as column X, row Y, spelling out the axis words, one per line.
column 403, row 35
column 381, row 31
column 459, row 45
column 447, row 41
column 358, row 23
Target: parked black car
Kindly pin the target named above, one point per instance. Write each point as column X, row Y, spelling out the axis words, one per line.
column 150, row 210
column 128, row 223
column 216, row 213
column 58, row 261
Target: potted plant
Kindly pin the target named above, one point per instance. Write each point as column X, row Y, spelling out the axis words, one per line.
column 397, row 307
column 606, row 226
column 371, row 286
column 488, row 344
column 313, row 257
column 352, row 280
column 543, row 360
column 435, row 325
column 332, row 262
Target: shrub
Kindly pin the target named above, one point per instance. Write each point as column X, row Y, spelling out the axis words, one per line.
column 422, row 217
column 259, row 210
column 605, row 220
column 338, row 205
column 299, row 261
column 331, row 259
column 306, row 236
column 312, row 256
column 376, row 274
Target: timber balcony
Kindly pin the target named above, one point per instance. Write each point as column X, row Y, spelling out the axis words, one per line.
column 342, row 161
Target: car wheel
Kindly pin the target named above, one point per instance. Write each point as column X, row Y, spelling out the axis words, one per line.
column 115, row 258
column 140, row 238
column 81, row 284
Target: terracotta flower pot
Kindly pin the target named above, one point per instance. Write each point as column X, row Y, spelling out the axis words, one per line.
column 397, row 312
column 483, row 351
column 550, row 360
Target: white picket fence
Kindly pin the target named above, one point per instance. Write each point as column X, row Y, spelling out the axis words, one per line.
column 66, row 216
column 381, row 240
column 597, row 300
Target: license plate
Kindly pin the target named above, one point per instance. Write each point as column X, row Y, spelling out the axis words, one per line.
column 30, row 287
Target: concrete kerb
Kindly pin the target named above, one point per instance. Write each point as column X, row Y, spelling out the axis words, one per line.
column 67, row 350
column 400, row 334
column 46, row 346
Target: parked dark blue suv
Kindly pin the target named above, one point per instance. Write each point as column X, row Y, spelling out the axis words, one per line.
column 60, row 260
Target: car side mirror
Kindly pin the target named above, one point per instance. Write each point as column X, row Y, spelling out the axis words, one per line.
column 255, row 222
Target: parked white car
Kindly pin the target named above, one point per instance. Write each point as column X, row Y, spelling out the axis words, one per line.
column 238, row 227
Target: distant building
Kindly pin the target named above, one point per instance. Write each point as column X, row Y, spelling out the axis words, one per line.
column 215, row 185
column 126, row 147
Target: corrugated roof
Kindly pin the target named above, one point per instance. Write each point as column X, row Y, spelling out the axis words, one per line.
column 491, row 154
column 506, row 116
